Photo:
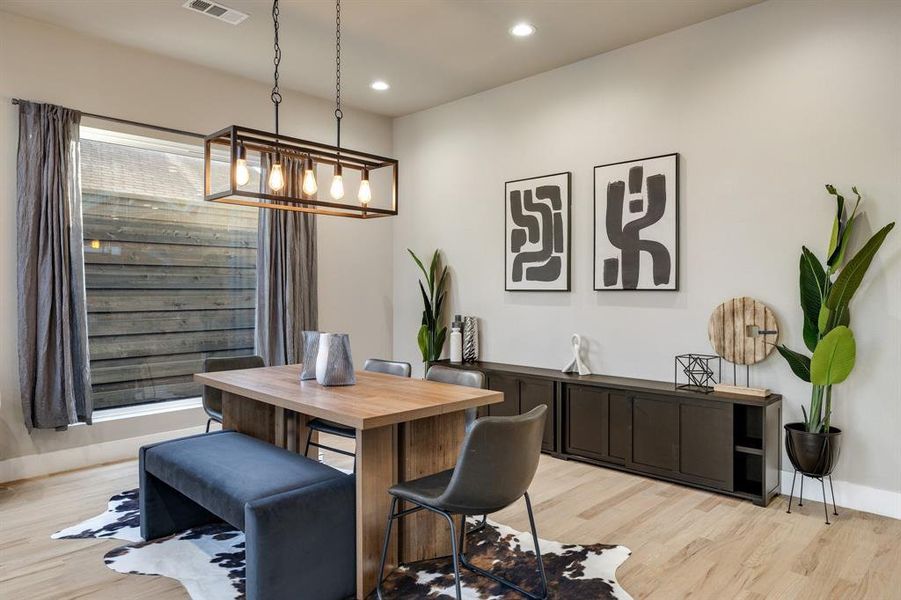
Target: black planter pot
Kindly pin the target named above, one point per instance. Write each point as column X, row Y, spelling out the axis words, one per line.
column 813, row 454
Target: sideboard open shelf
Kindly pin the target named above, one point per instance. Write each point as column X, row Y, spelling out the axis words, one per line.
column 725, row 443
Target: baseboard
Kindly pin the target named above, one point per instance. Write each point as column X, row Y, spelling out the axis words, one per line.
column 38, row 465
column 848, row 495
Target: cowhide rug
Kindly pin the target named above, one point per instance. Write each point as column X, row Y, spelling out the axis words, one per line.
column 209, row 561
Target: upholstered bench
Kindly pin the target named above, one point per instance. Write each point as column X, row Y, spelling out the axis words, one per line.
column 297, row 514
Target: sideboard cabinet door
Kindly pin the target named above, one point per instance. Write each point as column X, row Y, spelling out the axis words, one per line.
column 655, row 435
column 510, row 388
column 620, row 428
column 533, row 392
column 706, row 443
column 587, row 422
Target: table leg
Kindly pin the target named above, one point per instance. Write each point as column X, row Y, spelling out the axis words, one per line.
column 376, row 472
column 249, row 417
column 427, row 446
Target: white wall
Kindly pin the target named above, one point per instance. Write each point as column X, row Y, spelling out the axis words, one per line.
column 47, row 63
column 764, row 105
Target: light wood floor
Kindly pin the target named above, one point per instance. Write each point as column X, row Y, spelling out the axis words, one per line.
column 685, row 543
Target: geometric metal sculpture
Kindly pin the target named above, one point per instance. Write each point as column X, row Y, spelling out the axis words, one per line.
column 698, row 372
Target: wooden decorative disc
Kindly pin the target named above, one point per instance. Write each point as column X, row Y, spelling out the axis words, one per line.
column 729, row 330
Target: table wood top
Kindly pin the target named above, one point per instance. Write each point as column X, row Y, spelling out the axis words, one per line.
column 374, row 401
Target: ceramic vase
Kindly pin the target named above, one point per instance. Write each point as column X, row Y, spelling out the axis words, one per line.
column 470, row 339
column 334, row 364
column 310, row 354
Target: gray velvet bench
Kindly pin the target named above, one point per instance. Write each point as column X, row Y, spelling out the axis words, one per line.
column 297, row 514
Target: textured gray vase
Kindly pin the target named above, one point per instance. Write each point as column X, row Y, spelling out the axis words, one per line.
column 334, row 364
column 470, row 339
column 310, row 353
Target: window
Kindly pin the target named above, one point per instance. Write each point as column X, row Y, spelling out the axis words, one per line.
column 170, row 279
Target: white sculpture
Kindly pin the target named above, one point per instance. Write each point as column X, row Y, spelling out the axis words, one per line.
column 578, row 363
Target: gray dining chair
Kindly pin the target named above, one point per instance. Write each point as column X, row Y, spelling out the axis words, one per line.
column 374, row 365
column 470, row 378
column 495, row 468
column 212, row 398
column 467, row 377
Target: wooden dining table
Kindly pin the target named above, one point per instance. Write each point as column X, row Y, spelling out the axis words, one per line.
column 406, row 428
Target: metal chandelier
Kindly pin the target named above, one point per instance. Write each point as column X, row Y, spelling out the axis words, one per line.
column 296, row 189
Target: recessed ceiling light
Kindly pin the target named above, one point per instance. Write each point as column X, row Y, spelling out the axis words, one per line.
column 379, row 85
column 522, row 30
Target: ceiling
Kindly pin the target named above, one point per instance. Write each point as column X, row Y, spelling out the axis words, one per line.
column 430, row 51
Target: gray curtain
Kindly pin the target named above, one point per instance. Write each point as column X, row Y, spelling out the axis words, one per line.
column 54, row 373
column 287, row 298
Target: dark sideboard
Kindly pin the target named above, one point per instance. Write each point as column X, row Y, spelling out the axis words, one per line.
column 719, row 442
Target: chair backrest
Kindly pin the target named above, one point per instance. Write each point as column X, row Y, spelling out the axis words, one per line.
column 212, row 398
column 497, row 462
column 467, row 377
column 389, row 367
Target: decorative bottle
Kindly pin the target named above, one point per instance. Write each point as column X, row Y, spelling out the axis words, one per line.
column 456, row 341
column 470, row 339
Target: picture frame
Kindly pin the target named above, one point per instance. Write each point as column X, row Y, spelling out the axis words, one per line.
column 640, row 253
column 537, row 233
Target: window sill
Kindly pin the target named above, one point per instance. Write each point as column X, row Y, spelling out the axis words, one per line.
column 143, row 410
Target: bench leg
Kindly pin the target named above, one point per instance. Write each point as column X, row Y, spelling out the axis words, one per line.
column 165, row 510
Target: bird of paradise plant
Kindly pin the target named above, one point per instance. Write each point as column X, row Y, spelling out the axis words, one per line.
column 826, row 293
column 430, row 337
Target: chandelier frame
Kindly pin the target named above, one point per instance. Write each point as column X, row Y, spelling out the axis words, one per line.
column 237, row 136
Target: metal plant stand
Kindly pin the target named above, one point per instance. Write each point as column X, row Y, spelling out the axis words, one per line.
column 822, row 485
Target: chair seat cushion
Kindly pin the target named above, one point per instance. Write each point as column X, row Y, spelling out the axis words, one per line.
column 333, row 428
column 429, row 490
column 224, row 470
column 425, row 490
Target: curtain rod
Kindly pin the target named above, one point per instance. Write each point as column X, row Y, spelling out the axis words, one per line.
column 16, row 101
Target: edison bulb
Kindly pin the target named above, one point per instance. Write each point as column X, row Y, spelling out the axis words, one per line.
column 337, row 190
column 365, row 193
column 242, row 173
column 309, row 182
column 276, row 177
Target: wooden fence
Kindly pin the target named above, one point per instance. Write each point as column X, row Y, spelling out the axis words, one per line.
column 169, row 283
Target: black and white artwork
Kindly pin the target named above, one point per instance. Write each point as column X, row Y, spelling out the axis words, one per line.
column 536, row 233
column 636, row 224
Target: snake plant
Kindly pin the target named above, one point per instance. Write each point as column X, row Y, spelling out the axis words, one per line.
column 431, row 332
column 826, row 293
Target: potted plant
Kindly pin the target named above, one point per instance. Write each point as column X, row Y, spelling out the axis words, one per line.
column 430, row 337
column 826, row 293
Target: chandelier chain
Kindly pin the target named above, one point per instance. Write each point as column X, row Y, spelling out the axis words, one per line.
column 276, row 95
column 339, row 114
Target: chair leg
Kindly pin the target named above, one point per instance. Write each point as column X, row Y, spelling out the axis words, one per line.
column 378, row 587
column 208, row 422
column 306, row 449
column 537, row 549
column 801, row 497
column 478, row 527
column 455, row 553
column 510, row 584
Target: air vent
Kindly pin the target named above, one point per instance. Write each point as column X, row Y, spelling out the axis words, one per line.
column 216, row 10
